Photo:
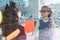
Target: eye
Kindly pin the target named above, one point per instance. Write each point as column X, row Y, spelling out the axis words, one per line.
column 44, row 11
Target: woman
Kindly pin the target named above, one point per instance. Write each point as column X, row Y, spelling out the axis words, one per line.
column 45, row 24
column 11, row 29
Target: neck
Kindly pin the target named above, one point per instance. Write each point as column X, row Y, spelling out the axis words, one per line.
column 45, row 18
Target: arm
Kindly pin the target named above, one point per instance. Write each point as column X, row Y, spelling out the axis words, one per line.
column 53, row 25
column 13, row 34
column 37, row 25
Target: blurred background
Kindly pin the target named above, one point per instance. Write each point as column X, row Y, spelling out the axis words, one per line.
column 30, row 9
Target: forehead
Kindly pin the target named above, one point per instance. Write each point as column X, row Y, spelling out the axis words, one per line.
column 44, row 8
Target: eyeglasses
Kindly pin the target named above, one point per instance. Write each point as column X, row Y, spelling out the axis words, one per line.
column 44, row 11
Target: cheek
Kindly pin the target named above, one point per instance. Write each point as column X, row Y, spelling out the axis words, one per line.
column 19, row 14
column 45, row 14
column 42, row 14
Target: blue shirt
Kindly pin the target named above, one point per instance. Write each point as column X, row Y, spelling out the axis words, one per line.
column 44, row 25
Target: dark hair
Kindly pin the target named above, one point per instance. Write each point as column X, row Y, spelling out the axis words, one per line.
column 48, row 8
column 7, row 6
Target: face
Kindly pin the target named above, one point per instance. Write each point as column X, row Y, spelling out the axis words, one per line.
column 44, row 12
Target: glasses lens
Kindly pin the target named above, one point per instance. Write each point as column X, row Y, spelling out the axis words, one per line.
column 44, row 11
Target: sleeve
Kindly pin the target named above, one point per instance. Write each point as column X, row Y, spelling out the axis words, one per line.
column 53, row 25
